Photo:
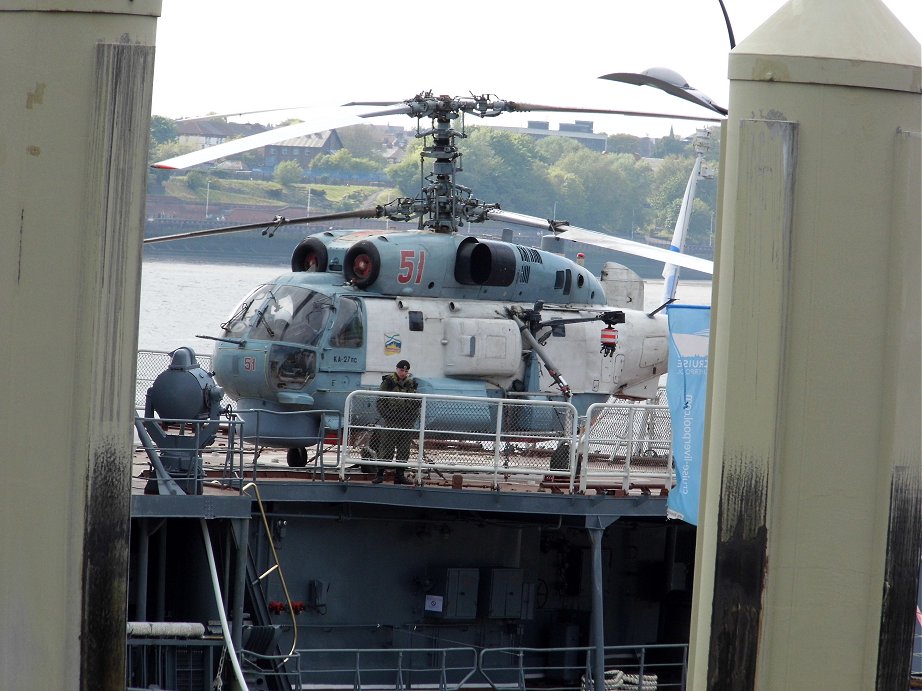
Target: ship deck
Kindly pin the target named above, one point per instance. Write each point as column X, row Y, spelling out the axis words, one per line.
column 230, row 495
column 487, row 570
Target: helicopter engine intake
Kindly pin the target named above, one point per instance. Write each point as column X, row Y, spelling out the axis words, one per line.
column 485, row 262
column 309, row 255
column 362, row 264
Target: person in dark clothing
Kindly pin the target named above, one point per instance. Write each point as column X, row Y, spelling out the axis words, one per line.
column 397, row 412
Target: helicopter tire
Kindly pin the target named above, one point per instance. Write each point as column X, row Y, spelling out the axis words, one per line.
column 309, row 255
column 297, row 457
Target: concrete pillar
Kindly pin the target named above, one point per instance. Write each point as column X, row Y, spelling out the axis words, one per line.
column 76, row 79
column 809, row 540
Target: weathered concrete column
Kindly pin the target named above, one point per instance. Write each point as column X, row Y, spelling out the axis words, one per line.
column 76, row 79
column 809, row 541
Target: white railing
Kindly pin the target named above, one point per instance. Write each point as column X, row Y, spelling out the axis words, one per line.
column 627, row 443
column 616, row 447
column 625, row 446
column 461, row 434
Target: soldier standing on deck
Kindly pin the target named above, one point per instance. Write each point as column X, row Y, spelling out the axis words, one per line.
column 399, row 413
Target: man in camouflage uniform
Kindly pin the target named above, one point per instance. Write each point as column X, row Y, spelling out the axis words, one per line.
column 397, row 412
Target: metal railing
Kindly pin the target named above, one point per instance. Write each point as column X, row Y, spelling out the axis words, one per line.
column 640, row 667
column 629, row 667
column 172, row 663
column 181, row 448
column 618, row 446
column 447, row 669
column 627, row 443
column 460, row 434
column 257, row 668
column 626, row 446
column 197, row 663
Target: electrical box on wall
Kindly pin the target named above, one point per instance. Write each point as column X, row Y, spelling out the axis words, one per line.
column 504, row 594
column 454, row 594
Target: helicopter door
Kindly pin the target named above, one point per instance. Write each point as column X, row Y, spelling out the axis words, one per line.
column 612, row 368
column 347, row 337
column 655, row 350
column 481, row 347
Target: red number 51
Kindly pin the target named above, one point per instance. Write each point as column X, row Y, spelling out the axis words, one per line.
column 410, row 265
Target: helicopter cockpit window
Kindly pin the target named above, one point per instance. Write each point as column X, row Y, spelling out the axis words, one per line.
column 348, row 331
column 238, row 322
column 281, row 313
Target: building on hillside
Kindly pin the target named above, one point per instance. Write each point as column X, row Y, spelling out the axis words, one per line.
column 396, row 140
column 204, row 133
column 580, row 130
column 302, row 149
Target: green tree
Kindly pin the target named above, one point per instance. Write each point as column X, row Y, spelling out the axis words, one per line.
column 169, row 150
column 551, row 149
column 502, row 167
column 288, row 173
column 671, row 146
column 343, row 162
column 405, row 175
column 623, row 144
column 196, row 180
column 600, row 191
column 160, row 145
column 666, row 200
column 162, row 130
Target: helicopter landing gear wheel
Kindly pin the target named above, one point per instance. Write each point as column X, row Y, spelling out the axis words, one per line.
column 297, row 457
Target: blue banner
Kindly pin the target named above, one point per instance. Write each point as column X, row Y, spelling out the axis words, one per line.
column 686, row 389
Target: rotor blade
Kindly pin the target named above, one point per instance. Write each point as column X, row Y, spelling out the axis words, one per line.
column 212, row 116
column 372, row 103
column 669, row 81
column 564, row 230
column 396, row 110
column 518, row 107
column 276, row 223
column 318, row 122
column 526, row 107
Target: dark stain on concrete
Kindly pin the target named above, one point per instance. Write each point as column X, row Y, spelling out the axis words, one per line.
column 901, row 578
column 739, row 575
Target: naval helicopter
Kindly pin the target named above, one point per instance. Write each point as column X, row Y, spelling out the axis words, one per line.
column 476, row 316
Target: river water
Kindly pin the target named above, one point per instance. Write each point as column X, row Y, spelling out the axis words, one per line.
column 181, row 300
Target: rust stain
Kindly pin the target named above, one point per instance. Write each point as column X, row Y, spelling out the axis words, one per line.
column 36, row 96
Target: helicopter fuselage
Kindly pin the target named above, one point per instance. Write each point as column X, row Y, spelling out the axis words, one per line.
column 357, row 303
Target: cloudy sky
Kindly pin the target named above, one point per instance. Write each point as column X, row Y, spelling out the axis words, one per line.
column 231, row 56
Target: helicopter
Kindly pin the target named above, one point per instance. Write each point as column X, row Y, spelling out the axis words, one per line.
column 476, row 316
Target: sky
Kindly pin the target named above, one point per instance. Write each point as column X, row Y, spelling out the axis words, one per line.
column 231, row 56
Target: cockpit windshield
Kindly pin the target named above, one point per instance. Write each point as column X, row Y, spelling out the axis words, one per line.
column 283, row 313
